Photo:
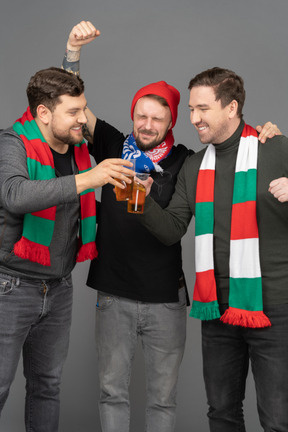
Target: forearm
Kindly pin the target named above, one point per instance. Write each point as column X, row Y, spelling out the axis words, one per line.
column 165, row 226
column 171, row 223
column 71, row 63
column 21, row 195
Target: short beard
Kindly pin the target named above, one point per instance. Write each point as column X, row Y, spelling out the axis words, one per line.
column 152, row 145
column 146, row 147
column 67, row 139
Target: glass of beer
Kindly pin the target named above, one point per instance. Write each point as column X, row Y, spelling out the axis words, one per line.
column 136, row 202
column 125, row 194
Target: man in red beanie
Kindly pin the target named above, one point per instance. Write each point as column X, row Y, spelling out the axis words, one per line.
column 140, row 282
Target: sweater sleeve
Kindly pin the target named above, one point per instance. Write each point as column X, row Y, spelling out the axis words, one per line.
column 171, row 223
column 107, row 141
column 21, row 195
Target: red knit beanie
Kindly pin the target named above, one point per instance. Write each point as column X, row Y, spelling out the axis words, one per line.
column 160, row 88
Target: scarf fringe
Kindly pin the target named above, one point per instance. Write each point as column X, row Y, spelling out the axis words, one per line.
column 158, row 168
column 243, row 318
column 87, row 252
column 34, row 252
column 204, row 312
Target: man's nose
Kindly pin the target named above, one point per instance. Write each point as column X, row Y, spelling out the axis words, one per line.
column 195, row 117
column 82, row 118
column 148, row 123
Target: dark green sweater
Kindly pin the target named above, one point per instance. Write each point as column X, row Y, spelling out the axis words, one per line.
column 170, row 225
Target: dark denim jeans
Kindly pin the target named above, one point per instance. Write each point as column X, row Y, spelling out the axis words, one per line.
column 226, row 354
column 35, row 316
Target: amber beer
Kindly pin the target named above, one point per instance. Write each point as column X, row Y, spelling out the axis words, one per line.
column 136, row 203
column 124, row 194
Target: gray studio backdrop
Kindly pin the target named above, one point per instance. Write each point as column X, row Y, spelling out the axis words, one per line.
column 142, row 42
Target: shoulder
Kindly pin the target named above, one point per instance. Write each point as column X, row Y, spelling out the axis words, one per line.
column 107, row 141
column 196, row 158
column 103, row 127
column 183, row 150
column 278, row 144
column 179, row 154
column 192, row 164
column 9, row 135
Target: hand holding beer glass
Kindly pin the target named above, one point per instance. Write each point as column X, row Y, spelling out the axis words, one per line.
column 126, row 193
column 136, row 202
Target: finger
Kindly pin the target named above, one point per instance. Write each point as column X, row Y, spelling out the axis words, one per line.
column 83, row 30
column 87, row 29
column 120, row 176
column 276, row 190
column 77, row 32
column 92, row 28
column 275, row 182
column 114, row 182
column 266, row 130
column 119, row 173
column 121, row 166
column 119, row 161
column 264, row 134
column 283, row 198
column 272, row 131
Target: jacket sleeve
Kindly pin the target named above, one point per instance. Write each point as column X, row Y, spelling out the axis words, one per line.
column 19, row 194
column 171, row 223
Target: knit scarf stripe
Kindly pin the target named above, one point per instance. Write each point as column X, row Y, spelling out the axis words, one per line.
column 245, row 283
column 147, row 161
column 38, row 227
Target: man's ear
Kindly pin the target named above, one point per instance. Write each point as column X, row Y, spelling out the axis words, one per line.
column 43, row 114
column 233, row 107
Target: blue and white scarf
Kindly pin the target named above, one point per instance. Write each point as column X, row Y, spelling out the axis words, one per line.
column 146, row 161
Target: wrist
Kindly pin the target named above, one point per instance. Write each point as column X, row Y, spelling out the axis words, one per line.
column 71, row 47
column 72, row 55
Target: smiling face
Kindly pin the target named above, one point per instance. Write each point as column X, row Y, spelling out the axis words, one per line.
column 214, row 123
column 64, row 123
column 151, row 122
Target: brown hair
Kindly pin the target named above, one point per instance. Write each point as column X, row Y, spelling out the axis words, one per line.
column 47, row 85
column 226, row 84
column 159, row 99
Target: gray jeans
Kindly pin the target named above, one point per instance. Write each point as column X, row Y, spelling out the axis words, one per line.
column 162, row 327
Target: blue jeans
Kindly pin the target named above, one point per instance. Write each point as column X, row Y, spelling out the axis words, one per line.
column 162, row 327
column 226, row 354
column 35, row 316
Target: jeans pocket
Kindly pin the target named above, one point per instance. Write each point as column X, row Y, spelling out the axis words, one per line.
column 6, row 285
column 181, row 302
column 104, row 300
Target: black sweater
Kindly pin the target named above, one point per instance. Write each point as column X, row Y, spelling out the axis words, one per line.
column 272, row 216
column 132, row 263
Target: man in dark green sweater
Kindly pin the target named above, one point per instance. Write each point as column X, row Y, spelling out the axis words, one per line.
column 237, row 189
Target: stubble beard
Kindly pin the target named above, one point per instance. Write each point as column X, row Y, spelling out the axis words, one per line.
column 146, row 147
column 66, row 138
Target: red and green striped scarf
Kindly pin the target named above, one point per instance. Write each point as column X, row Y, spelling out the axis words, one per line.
column 245, row 282
column 38, row 226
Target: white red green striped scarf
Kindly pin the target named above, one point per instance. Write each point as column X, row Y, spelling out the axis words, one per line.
column 38, row 226
column 245, row 282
